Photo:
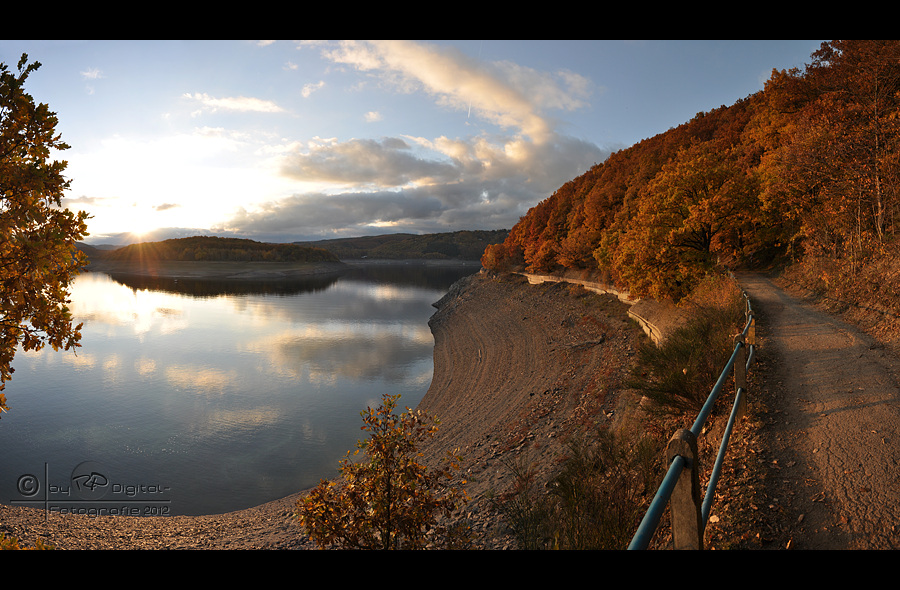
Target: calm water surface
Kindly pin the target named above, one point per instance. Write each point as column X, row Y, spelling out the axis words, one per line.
column 204, row 397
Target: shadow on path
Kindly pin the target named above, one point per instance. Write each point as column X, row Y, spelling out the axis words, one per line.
column 835, row 424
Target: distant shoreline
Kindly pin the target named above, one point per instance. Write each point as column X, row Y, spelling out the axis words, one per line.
column 410, row 261
column 255, row 271
column 176, row 269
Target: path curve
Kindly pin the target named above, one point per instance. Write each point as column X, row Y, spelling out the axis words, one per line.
column 836, row 421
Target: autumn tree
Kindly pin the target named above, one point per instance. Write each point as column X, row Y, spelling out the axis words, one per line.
column 778, row 217
column 809, row 168
column 863, row 77
column 389, row 500
column 839, row 165
column 38, row 258
column 691, row 211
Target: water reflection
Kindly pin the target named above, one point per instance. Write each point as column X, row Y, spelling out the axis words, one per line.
column 231, row 395
column 215, row 287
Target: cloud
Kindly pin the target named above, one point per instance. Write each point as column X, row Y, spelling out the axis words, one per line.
column 83, row 203
column 308, row 89
column 373, row 117
column 413, row 194
column 436, row 209
column 386, row 163
column 166, row 206
column 72, row 202
column 421, row 184
column 354, row 213
column 238, row 103
column 393, row 162
column 92, row 74
column 503, row 93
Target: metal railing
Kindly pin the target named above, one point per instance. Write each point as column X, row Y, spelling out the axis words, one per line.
column 680, row 488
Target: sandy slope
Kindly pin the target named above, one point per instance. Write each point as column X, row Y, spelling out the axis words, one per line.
column 519, row 369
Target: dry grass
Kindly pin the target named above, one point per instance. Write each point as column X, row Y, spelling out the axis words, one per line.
column 679, row 372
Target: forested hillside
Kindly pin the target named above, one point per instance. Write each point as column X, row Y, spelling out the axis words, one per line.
column 211, row 248
column 805, row 172
column 459, row 245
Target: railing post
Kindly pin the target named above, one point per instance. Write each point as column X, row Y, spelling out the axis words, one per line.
column 740, row 374
column 684, row 505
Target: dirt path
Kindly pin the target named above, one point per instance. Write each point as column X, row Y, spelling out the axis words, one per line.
column 834, row 425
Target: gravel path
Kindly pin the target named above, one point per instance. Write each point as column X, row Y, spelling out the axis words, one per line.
column 835, row 427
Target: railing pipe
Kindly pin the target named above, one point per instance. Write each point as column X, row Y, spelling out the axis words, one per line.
column 679, row 488
column 747, row 327
column 697, row 428
column 651, row 520
column 717, row 468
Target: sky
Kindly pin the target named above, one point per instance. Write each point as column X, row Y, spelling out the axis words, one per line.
column 283, row 141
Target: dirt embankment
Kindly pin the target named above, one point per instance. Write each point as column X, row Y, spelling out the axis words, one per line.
column 519, row 370
column 656, row 318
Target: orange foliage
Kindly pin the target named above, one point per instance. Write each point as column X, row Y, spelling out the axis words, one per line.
column 809, row 164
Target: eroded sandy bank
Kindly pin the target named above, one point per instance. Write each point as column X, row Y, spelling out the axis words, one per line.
column 519, row 369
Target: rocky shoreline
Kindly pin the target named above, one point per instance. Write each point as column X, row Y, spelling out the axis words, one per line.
column 519, row 369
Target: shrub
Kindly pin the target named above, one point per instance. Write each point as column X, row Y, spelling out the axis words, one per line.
column 12, row 543
column 526, row 511
column 390, row 500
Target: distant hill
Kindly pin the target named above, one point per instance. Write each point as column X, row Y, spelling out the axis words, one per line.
column 210, row 248
column 459, row 245
column 92, row 252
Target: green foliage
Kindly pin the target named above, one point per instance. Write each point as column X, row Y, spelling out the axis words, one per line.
column 679, row 373
column 461, row 245
column 596, row 501
column 38, row 255
column 390, row 500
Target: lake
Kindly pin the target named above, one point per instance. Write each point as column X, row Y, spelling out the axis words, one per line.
column 204, row 397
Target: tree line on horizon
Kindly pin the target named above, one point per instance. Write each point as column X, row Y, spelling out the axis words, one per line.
column 457, row 245
column 806, row 171
column 212, row 248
